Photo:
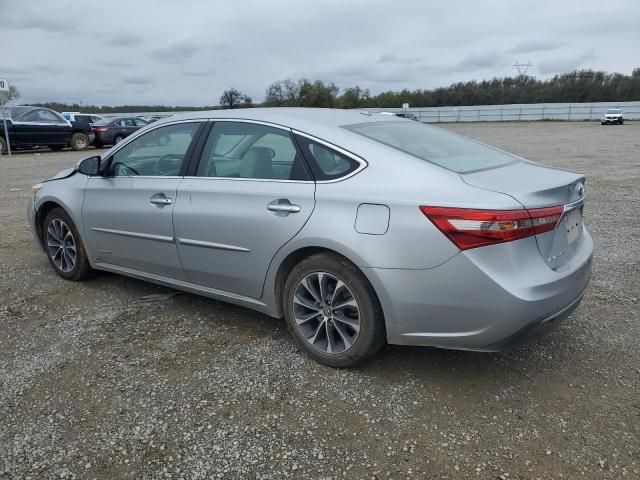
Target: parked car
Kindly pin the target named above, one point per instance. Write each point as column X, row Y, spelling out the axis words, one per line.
column 82, row 117
column 35, row 126
column 612, row 115
column 110, row 131
column 359, row 229
column 409, row 116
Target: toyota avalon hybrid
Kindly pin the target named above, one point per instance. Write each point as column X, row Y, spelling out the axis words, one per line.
column 359, row 229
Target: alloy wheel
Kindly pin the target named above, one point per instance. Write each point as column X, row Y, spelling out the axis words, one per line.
column 61, row 245
column 326, row 313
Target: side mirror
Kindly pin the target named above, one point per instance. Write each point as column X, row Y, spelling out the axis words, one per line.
column 90, row 166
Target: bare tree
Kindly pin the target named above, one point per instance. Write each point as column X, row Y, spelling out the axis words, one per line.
column 232, row 98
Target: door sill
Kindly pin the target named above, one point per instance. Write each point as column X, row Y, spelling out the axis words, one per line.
column 188, row 287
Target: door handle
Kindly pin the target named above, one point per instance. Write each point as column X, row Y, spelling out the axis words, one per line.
column 160, row 200
column 283, row 207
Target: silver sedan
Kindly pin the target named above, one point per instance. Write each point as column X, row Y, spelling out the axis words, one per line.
column 359, row 229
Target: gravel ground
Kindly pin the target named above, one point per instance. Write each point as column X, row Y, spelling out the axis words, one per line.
column 117, row 378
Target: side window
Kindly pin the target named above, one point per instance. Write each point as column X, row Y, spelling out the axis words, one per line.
column 248, row 150
column 47, row 116
column 326, row 163
column 118, row 123
column 160, row 152
column 139, row 122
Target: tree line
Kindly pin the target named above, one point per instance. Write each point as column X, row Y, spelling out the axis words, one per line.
column 577, row 86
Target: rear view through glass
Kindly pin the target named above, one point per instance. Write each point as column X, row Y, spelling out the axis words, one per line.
column 434, row 145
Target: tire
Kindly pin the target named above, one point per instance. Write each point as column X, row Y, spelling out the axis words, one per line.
column 79, row 141
column 56, row 228
column 117, row 139
column 3, row 146
column 350, row 346
column 56, row 148
column 601, row 123
column 621, row 121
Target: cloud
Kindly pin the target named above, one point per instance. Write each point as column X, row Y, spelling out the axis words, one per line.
column 200, row 73
column 530, row 46
column 124, row 39
column 393, row 58
column 137, row 80
column 479, row 61
column 175, row 51
column 565, row 64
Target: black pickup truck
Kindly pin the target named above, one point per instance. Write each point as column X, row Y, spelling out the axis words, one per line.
column 35, row 126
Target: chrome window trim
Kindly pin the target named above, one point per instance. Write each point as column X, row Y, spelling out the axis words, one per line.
column 238, row 179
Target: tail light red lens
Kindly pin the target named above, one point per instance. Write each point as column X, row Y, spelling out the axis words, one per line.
column 100, row 129
column 470, row 228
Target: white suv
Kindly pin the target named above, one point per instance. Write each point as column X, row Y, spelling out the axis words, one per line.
column 612, row 115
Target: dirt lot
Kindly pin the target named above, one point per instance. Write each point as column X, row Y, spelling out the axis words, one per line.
column 110, row 378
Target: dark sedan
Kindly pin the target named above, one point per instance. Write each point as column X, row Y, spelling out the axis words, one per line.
column 110, row 131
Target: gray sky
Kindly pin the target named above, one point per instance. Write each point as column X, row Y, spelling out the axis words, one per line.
column 187, row 52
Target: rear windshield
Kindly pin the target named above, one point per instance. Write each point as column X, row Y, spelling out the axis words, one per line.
column 434, row 145
column 103, row 121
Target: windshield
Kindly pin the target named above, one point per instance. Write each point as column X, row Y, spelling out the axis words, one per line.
column 614, row 110
column 434, row 145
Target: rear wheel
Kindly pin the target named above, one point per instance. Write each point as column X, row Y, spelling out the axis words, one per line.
column 117, row 139
column 333, row 312
column 64, row 247
column 79, row 141
column 3, row 146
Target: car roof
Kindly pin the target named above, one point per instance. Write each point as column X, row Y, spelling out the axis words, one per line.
column 322, row 122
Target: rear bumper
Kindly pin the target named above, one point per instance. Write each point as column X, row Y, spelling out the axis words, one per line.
column 484, row 299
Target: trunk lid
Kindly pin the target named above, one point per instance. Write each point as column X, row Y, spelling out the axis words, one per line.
column 536, row 186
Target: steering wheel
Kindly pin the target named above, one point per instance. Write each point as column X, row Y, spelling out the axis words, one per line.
column 166, row 165
column 123, row 169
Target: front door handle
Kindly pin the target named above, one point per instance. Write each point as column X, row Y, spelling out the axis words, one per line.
column 160, row 199
column 283, row 207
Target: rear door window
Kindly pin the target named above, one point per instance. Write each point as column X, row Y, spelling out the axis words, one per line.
column 248, row 150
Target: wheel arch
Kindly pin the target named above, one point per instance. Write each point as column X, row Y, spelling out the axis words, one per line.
column 42, row 212
column 292, row 259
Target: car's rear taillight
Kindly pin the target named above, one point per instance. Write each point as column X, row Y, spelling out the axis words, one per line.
column 100, row 129
column 470, row 228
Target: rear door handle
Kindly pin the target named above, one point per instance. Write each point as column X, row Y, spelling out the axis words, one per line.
column 160, row 199
column 283, row 207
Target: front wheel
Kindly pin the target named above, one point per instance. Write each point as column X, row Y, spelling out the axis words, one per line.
column 79, row 141
column 333, row 312
column 64, row 247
